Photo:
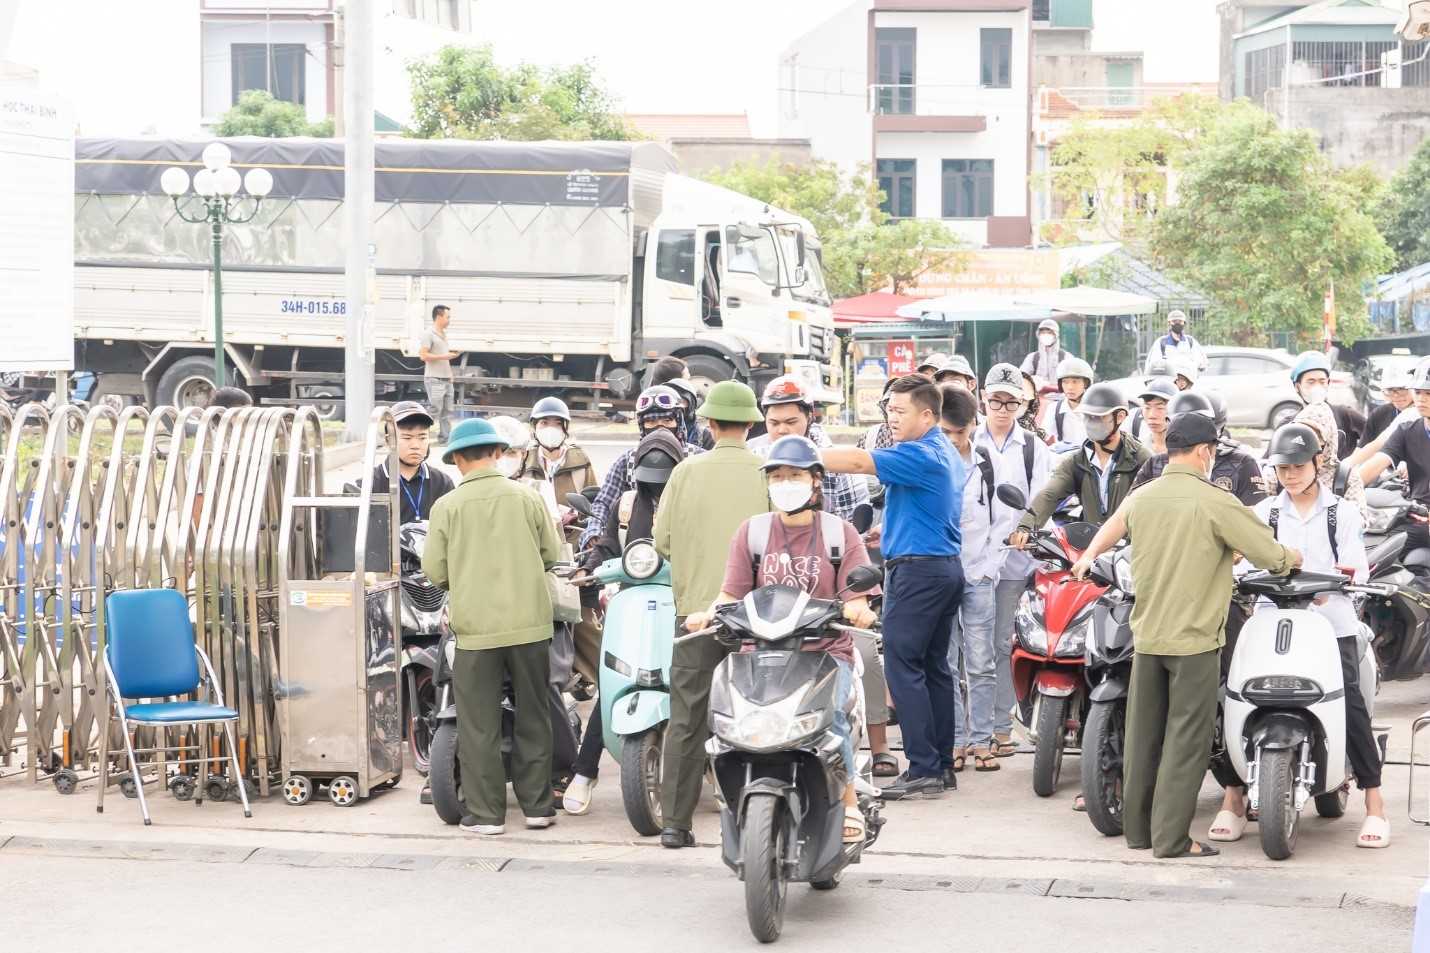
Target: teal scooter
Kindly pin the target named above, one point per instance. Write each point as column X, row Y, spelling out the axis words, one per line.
column 636, row 646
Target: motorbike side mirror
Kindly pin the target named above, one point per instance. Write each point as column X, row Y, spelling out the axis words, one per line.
column 1080, row 535
column 863, row 579
column 1010, row 496
column 862, row 517
column 579, row 503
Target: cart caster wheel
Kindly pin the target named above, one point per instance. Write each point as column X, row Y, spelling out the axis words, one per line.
column 66, row 781
column 249, row 788
column 297, row 790
column 182, row 787
column 216, row 789
column 342, row 791
column 127, row 787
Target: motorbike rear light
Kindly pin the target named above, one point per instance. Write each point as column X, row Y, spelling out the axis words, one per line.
column 650, row 678
column 1282, row 690
column 616, row 665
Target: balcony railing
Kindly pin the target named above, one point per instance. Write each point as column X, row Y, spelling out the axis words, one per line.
column 931, row 99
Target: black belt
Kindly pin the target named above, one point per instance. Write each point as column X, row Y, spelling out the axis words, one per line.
column 897, row 560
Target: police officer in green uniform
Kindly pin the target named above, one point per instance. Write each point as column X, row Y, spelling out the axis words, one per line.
column 706, row 500
column 1184, row 534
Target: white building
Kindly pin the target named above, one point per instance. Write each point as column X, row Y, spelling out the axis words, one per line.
column 173, row 67
column 935, row 96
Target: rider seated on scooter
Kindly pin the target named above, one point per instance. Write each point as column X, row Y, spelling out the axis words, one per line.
column 802, row 546
column 655, row 458
column 1328, row 531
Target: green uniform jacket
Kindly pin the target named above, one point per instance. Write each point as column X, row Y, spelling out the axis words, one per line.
column 706, row 500
column 1183, row 532
column 1074, row 476
column 489, row 544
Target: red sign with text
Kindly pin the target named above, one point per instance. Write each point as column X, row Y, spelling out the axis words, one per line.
column 901, row 358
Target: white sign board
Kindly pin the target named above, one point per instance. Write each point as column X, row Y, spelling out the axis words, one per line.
column 36, row 231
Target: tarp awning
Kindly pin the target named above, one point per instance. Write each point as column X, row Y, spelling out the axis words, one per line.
column 974, row 307
column 872, row 308
column 1096, row 302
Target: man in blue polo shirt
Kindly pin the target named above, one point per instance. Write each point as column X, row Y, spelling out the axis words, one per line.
column 924, row 577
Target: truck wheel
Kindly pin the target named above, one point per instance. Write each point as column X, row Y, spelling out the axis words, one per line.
column 1279, row 817
column 189, row 382
column 316, row 394
column 707, row 371
column 1052, row 736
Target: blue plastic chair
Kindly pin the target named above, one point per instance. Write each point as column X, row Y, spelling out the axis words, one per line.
column 151, row 654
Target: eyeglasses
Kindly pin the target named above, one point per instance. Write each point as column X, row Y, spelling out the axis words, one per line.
column 663, row 400
column 995, row 404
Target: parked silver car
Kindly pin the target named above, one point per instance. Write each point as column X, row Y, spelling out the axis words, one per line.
column 1256, row 383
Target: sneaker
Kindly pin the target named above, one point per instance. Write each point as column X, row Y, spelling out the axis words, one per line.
column 540, row 823
column 472, row 826
column 578, row 795
column 905, row 788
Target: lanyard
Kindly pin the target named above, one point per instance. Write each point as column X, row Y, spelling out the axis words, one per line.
column 421, row 492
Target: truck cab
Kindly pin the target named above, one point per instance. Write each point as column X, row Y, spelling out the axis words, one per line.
column 736, row 288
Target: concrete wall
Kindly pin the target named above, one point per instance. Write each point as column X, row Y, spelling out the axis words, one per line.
column 1382, row 127
column 1080, row 70
column 823, row 88
column 703, row 155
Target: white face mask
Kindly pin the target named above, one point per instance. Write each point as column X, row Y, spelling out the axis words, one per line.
column 550, row 436
column 790, row 495
column 1046, row 340
column 508, row 466
column 1317, row 394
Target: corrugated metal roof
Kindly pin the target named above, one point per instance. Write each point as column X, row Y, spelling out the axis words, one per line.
column 1333, row 13
column 1134, row 275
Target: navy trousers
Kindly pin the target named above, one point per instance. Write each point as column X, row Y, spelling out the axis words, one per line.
column 921, row 600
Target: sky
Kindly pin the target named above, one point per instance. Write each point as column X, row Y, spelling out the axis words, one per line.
column 723, row 56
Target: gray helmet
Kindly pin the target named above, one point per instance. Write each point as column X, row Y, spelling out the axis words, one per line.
column 550, row 407
column 1074, row 367
column 1191, row 402
column 1292, row 444
column 656, row 457
column 1160, row 388
column 1159, row 367
column 1100, row 400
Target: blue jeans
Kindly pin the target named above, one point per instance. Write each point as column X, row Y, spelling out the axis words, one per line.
column 920, row 603
column 843, row 689
column 972, row 651
column 1007, row 596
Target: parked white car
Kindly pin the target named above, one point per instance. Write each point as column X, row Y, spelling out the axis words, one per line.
column 1256, row 383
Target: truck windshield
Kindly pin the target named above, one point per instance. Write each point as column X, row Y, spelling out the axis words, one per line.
column 813, row 289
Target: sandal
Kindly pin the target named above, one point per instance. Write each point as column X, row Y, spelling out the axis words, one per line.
column 1004, row 747
column 1227, row 826
column 885, row 765
column 853, row 825
column 960, row 759
column 1374, row 833
column 1198, row 849
column 985, row 760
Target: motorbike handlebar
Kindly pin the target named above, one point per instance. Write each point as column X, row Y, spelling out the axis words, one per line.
column 865, row 633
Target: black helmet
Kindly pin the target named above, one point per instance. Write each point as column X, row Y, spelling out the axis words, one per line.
column 656, row 456
column 1159, row 387
column 1218, row 409
column 550, row 407
column 1101, row 399
column 1292, row 444
column 1190, row 402
column 793, row 451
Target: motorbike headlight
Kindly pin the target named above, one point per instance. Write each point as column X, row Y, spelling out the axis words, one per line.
column 640, row 560
column 767, row 727
column 1378, row 520
column 1123, row 568
column 1074, row 640
column 1032, row 636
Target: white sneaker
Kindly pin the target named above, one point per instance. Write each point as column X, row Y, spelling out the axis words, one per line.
column 470, row 825
column 540, row 823
column 578, row 795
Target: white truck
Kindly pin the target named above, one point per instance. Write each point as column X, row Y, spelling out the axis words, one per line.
column 569, row 267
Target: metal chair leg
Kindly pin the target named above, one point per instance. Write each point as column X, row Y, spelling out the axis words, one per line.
column 237, row 770
column 134, row 770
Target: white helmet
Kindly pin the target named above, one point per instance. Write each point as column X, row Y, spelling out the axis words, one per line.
column 513, row 431
column 1074, row 367
column 1187, row 369
column 1420, row 378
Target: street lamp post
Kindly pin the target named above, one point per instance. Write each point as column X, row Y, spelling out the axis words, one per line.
column 216, row 185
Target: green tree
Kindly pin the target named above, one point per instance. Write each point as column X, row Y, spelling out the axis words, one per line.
column 257, row 113
column 862, row 250
column 1404, row 212
column 462, row 93
column 1264, row 226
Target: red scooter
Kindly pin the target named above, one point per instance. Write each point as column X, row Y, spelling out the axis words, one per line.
column 1050, row 631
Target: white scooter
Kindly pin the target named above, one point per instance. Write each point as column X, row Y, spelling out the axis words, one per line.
column 1285, row 715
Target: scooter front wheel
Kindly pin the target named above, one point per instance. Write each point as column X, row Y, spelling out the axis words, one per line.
column 762, row 851
column 446, row 776
column 1052, row 735
column 1276, row 779
column 640, row 779
column 1103, row 742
